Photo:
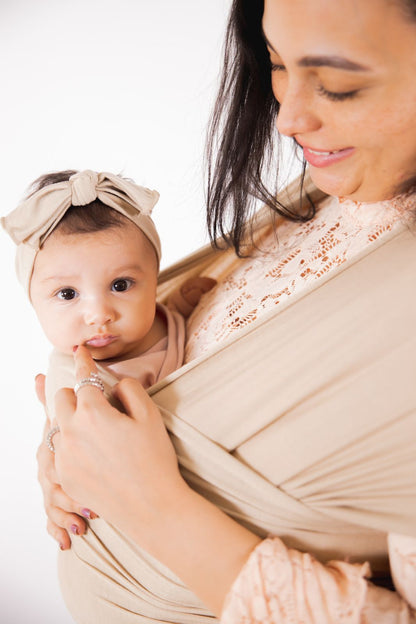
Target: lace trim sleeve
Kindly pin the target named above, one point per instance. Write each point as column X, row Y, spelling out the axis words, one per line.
column 284, row 586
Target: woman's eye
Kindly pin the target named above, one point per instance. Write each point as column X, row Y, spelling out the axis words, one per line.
column 66, row 294
column 337, row 96
column 120, row 285
column 277, row 67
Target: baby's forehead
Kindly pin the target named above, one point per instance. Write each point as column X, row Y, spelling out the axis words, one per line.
column 126, row 233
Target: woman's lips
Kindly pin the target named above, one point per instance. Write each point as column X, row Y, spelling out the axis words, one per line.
column 322, row 158
column 101, row 340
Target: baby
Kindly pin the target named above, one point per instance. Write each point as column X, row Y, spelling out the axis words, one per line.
column 88, row 256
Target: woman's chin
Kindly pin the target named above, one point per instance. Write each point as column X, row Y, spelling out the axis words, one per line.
column 349, row 187
column 336, row 185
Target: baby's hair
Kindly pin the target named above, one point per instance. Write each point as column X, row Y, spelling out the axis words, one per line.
column 92, row 217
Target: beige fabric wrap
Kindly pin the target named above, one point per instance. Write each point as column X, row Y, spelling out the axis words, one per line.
column 37, row 216
column 303, row 426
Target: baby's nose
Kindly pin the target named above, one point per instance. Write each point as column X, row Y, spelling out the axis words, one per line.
column 98, row 313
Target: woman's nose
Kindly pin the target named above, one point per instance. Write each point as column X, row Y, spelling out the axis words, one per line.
column 98, row 312
column 296, row 113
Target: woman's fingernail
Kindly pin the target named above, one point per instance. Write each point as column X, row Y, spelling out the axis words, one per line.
column 74, row 529
column 61, row 546
column 86, row 513
column 74, row 348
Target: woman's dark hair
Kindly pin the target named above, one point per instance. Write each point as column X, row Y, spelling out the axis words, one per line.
column 242, row 139
column 243, row 143
column 78, row 220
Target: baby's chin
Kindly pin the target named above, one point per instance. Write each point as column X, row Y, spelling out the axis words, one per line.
column 104, row 353
column 97, row 353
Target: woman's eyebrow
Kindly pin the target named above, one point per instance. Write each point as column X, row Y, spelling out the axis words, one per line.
column 338, row 62
column 322, row 60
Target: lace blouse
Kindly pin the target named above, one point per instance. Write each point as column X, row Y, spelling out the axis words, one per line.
column 277, row 584
column 288, row 261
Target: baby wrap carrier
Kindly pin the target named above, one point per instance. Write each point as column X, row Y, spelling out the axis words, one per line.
column 303, row 426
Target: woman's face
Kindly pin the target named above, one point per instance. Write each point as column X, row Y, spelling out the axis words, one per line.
column 344, row 73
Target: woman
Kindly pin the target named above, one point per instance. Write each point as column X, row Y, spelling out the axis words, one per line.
column 339, row 76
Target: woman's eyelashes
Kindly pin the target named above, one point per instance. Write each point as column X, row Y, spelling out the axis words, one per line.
column 277, row 67
column 334, row 96
column 337, row 96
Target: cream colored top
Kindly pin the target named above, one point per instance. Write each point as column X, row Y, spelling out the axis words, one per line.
column 281, row 585
column 300, row 255
column 299, row 425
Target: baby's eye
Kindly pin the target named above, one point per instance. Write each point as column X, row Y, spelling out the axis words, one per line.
column 122, row 284
column 66, row 294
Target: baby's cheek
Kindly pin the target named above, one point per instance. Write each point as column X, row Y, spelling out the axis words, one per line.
column 59, row 336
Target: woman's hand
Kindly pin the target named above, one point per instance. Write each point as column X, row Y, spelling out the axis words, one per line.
column 124, row 466
column 116, row 463
column 64, row 514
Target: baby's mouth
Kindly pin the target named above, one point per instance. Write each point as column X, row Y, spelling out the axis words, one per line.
column 101, row 340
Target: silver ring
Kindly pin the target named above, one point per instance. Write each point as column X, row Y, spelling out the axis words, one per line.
column 49, row 437
column 92, row 380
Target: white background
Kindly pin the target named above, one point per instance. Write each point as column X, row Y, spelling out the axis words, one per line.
column 122, row 86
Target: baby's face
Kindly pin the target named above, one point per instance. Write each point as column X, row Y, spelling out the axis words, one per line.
column 97, row 290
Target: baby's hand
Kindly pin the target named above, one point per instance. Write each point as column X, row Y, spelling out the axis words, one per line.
column 187, row 297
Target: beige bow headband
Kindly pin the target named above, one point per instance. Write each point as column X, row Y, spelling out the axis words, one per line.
column 37, row 216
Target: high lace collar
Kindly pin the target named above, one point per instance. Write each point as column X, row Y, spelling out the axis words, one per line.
column 404, row 203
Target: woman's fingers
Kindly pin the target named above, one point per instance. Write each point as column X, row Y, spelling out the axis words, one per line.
column 64, row 514
column 85, row 367
column 40, row 388
column 84, row 364
column 66, row 518
column 59, row 534
column 65, row 406
column 134, row 398
column 46, row 465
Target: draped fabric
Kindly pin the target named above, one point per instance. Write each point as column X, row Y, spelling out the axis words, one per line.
column 302, row 426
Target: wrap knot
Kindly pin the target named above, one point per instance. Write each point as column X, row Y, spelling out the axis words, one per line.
column 83, row 187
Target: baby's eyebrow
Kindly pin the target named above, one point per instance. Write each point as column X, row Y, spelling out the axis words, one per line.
column 128, row 267
column 57, row 278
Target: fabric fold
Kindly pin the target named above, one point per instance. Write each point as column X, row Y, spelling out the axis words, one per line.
column 302, row 460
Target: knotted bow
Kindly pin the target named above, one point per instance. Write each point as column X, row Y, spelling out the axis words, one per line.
column 37, row 216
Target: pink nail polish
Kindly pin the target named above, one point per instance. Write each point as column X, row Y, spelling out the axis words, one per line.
column 86, row 513
column 61, row 546
column 74, row 529
column 74, row 348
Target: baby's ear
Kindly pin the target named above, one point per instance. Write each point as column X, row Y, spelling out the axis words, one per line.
column 186, row 298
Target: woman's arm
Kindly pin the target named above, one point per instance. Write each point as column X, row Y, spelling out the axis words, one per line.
column 279, row 585
column 126, row 470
